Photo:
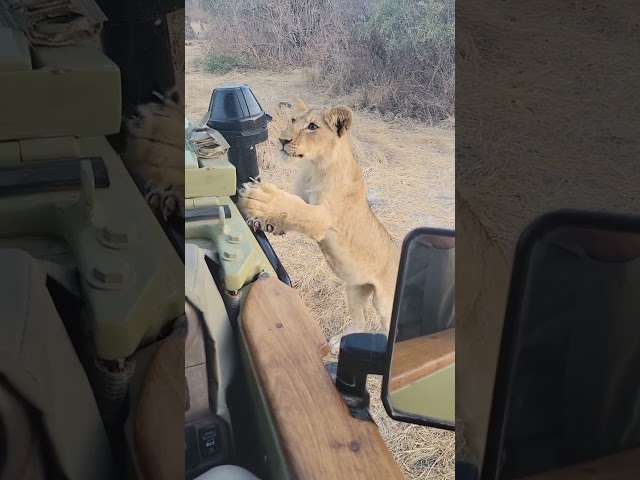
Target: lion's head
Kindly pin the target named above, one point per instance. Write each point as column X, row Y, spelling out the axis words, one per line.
column 315, row 132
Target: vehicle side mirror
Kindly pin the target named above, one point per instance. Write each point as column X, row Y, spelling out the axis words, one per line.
column 419, row 376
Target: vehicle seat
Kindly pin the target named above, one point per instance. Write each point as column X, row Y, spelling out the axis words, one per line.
column 227, row 472
column 23, row 449
column 41, row 372
column 202, row 292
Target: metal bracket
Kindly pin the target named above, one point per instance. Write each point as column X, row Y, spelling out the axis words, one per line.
column 51, row 176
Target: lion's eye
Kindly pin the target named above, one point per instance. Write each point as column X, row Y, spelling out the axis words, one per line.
column 312, row 126
column 293, row 120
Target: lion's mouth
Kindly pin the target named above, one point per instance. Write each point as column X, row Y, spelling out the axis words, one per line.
column 291, row 154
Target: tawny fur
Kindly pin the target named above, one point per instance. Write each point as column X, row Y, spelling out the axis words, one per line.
column 330, row 206
column 155, row 152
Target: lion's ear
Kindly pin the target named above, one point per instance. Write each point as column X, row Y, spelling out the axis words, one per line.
column 340, row 119
column 299, row 106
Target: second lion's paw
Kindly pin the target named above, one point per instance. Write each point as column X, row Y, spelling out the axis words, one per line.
column 167, row 201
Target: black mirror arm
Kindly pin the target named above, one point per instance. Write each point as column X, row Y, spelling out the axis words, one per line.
column 361, row 354
column 466, row 471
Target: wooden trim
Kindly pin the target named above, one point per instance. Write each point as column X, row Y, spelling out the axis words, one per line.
column 418, row 357
column 620, row 465
column 318, row 436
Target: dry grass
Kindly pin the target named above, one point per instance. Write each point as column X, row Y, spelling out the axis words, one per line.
column 409, row 170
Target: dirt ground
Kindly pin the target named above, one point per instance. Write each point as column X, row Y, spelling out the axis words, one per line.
column 409, row 171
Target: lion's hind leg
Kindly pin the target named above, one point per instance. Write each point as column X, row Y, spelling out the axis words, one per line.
column 383, row 303
column 357, row 298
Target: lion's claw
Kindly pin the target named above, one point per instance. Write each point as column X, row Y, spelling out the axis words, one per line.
column 264, row 225
column 259, row 202
column 254, row 223
column 164, row 200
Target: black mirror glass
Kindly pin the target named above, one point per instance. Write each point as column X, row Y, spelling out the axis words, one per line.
column 419, row 381
column 567, row 389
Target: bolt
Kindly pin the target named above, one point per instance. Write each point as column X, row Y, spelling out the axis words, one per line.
column 107, row 277
column 230, row 255
column 112, row 235
column 234, row 237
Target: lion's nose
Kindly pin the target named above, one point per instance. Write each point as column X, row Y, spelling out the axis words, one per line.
column 284, row 141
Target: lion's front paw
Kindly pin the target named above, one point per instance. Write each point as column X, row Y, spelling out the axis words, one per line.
column 262, row 200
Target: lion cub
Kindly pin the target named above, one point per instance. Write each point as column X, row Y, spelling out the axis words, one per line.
column 330, row 206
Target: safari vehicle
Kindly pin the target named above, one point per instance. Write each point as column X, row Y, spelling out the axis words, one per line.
column 87, row 270
column 92, row 316
column 261, row 402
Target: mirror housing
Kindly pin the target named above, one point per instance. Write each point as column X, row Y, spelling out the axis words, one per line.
column 557, row 256
column 438, row 343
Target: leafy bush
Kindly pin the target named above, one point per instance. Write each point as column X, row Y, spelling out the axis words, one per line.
column 392, row 55
column 412, row 24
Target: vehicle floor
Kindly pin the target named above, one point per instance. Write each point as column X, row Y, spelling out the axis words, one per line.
column 409, row 170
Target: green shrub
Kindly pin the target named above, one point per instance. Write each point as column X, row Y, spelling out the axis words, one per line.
column 223, row 63
column 424, row 24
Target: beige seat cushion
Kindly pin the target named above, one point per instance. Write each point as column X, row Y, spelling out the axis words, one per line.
column 227, row 472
